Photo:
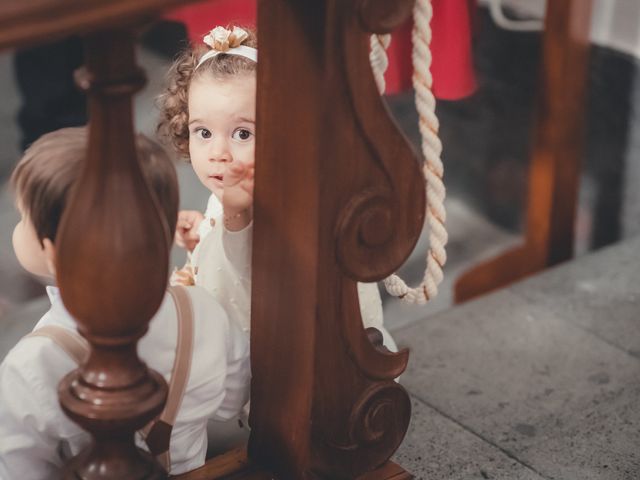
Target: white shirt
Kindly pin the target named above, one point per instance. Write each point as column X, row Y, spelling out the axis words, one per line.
column 213, row 212
column 222, row 261
column 34, row 430
column 222, row 264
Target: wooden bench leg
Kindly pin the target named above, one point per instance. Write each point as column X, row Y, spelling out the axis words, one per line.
column 555, row 165
column 235, row 465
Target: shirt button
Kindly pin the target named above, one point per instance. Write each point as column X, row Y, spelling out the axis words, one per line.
column 212, row 222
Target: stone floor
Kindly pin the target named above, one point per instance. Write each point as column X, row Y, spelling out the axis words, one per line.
column 538, row 381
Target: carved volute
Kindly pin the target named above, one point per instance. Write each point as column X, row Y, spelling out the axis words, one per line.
column 377, row 215
column 112, row 269
column 339, row 199
column 358, row 212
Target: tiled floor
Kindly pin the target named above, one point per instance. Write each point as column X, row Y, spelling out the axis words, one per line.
column 537, row 381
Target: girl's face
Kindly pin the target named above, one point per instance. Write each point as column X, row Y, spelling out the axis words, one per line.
column 221, row 126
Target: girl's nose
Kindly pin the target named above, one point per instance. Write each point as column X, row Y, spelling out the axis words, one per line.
column 219, row 151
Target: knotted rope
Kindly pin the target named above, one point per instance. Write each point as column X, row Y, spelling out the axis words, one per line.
column 431, row 149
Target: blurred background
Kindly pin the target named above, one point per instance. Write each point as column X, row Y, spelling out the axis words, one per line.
column 486, row 70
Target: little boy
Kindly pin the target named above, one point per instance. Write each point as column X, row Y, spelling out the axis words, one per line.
column 35, row 435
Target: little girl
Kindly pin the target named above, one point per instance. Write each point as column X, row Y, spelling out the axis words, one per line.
column 208, row 115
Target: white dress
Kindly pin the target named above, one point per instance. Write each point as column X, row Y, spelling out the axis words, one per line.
column 222, row 265
column 34, row 431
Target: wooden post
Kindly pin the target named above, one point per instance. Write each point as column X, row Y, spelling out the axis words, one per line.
column 339, row 199
column 557, row 156
column 112, row 270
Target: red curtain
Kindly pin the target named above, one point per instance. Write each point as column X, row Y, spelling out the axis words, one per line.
column 201, row 17
column 452, row 68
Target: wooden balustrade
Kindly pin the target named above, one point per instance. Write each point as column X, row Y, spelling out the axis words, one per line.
column 112, row 263
column 339, row 199
column 112, row 270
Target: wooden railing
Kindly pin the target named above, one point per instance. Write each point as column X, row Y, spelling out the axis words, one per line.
column 339, row 199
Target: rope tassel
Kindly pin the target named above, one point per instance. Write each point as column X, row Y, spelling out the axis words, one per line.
column 431, row 149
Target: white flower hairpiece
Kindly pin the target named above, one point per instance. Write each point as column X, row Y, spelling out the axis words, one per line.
column 226, row 41
column 222, row 40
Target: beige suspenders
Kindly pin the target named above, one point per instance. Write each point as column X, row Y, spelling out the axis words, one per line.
column 157, row 433
column 71, row 342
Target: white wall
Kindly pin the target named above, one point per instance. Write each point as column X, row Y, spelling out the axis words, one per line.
column 616, row 23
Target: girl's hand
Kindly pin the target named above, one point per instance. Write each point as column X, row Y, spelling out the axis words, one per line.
column 237, row 196
column 187, row 229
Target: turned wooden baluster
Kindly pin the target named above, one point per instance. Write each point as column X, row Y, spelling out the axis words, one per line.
column 339, row 198
column 112, row 271
column 554, row 175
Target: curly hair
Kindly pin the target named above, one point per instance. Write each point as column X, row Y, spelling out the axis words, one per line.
column 51, row 166
column 173, row 126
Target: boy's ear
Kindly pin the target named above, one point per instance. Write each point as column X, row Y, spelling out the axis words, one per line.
column 50, row 255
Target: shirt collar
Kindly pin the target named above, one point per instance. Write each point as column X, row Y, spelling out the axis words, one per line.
column 53, row 293
column 58, row 313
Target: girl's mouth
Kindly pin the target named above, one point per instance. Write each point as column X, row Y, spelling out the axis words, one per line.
column 216, row 177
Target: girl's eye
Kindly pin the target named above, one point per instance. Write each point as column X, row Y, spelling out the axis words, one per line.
column 203, row 133
column 242, row 134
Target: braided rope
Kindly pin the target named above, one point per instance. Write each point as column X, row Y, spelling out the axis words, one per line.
column 431, row 149
column 379, row 60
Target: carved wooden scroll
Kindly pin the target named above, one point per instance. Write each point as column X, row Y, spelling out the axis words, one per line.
column 339, row 199
column 554, row 175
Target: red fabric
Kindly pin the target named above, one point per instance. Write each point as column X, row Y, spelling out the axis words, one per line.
column 201, row 17
column 452, row 69
column 452, row 63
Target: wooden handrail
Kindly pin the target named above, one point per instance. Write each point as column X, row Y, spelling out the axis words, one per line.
column 27, row 22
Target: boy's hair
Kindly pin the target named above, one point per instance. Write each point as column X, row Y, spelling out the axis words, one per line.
column 173, row 126
column 51, row 166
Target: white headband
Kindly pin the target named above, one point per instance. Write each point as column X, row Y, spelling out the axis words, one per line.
column 242, row 51
column 221, row 40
